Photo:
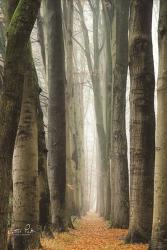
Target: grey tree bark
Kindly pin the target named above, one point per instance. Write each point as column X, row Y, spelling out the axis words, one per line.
column 142, row 121
column 25, row 164
column 119, row 163
column 10, row 101
column 70, row 130
column 159, row 230
column 108, row 16
column 56, row 115
column 44, row 195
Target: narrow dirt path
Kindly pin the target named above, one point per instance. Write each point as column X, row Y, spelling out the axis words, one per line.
column 91, row 234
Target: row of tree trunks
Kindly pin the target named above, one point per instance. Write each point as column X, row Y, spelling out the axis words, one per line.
column 19, row 31
column 93, row 67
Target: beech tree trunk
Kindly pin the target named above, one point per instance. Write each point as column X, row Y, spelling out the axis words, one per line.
column 108, row 15
column 70, row 98
column 25, row 164
column 159, row 230
column 119, row 163
column 56, row 115
column 10, row 101
column 44, row 195
column 142, row 121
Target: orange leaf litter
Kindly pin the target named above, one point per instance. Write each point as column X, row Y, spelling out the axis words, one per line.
column 91, row 234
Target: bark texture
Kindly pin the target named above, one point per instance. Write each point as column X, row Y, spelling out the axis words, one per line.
column 142, row 121
column 56, row 115
column 70, row 164
column 159, row 230
column 44, row 195
column 10, row 101
column 25, row 164
column 107, row 13
column 119, row 163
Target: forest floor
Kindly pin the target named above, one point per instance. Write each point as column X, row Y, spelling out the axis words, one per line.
column 91, row 233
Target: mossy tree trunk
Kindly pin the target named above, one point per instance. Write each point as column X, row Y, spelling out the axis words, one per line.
column 18, row 36
column 159, row 230
column 142, row 121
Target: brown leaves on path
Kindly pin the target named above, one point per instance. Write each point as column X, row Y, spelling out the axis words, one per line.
column 91, row 234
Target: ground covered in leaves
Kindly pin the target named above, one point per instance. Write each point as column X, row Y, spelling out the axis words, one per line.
column 91, row 233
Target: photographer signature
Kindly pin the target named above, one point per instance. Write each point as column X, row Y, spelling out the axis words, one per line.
column 28, row 230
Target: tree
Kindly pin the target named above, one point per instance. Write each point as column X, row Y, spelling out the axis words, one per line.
column 142, row 121
column 25, row 163
column 119, row 163
column 56, row 115
column 71, row 147
column 10, row 101
column 44, row 195
column 159, row 230
column 108, row 15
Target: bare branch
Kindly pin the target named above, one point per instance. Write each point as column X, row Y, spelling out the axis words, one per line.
column 91, row 5
column 81, row 46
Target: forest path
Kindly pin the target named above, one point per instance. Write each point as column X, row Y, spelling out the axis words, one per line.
column 91, row 234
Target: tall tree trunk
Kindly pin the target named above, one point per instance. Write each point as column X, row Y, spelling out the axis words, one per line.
column 10, row 101
column 119, row 163
column 99, row 109
column 108, row 15
column 44, row 195
column 79, row 142
column 71, row 170
column 142, row 121
column 56, row 115
column 25, row 165
column 159, row 230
